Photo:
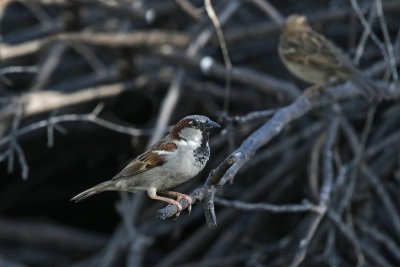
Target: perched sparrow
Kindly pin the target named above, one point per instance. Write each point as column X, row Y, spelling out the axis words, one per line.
column 314, row 59
column 175, row 159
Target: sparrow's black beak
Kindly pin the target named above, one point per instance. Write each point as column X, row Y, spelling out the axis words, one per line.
column 212, row 124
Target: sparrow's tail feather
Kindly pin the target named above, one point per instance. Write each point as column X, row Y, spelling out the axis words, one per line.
column 367, row 87
column 108, row 185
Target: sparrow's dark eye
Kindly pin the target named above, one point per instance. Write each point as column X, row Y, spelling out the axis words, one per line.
column 195, row 122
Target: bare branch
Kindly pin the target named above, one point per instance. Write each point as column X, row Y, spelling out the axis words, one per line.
column 388, row 42
column 75, row 118
column 255, row 115
column 44, row 101
column 190, row 9
column 305, row 207
column 380, row 237
column 270, row 10
column 128, row 39
column 364, row 37
column 384, row 196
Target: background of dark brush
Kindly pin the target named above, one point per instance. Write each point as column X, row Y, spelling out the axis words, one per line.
column 40, row 227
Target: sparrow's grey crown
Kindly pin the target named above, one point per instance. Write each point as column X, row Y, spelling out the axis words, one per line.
column 200, row 122
column 200, row 118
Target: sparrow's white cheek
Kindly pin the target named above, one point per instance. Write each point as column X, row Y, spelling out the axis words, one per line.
column 192, row 136
column 194, row 143
column 197, row 138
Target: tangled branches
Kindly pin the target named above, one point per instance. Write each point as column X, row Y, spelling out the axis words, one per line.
column 296, row 176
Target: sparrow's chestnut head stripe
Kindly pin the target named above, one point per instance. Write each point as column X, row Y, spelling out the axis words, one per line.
column 199, row 122
column 178, row 157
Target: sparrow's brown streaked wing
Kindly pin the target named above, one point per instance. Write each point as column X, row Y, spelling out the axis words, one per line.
column 147, row 160
column 331, row 58
column 310, row 48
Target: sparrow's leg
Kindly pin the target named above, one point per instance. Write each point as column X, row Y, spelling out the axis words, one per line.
column 152, row 193
column 179, row 196
column 315, row 89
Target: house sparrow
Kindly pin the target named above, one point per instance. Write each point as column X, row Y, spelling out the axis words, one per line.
column 175, row 159
column 312, row 58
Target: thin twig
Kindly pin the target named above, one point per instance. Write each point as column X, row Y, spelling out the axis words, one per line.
column 350, row 235
column 364, row 37
column 372, row 34
column 224, row 49
column 48, row 66
column 270, row 10
column 128, row 39
column 384, row 196
column 190, row 9
column 380, row 237
column 305, row 207
column 388, row 42
column 358, row 157
column 14, row 145
column 254, row 115
column 44, row 101
column 77, row 118
column 387, row 141
column 18, row 69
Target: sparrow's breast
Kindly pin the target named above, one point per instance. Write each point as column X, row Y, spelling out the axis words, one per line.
column 192, row 160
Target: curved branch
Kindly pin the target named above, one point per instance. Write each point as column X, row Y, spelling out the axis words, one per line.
column 228, row 169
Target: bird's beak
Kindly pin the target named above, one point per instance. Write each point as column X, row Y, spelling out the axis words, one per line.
column 212, row 124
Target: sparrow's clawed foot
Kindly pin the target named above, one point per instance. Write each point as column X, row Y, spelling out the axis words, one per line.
column 179, row 196
column 188, row 199
column 179, row 209
column 153, row 194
